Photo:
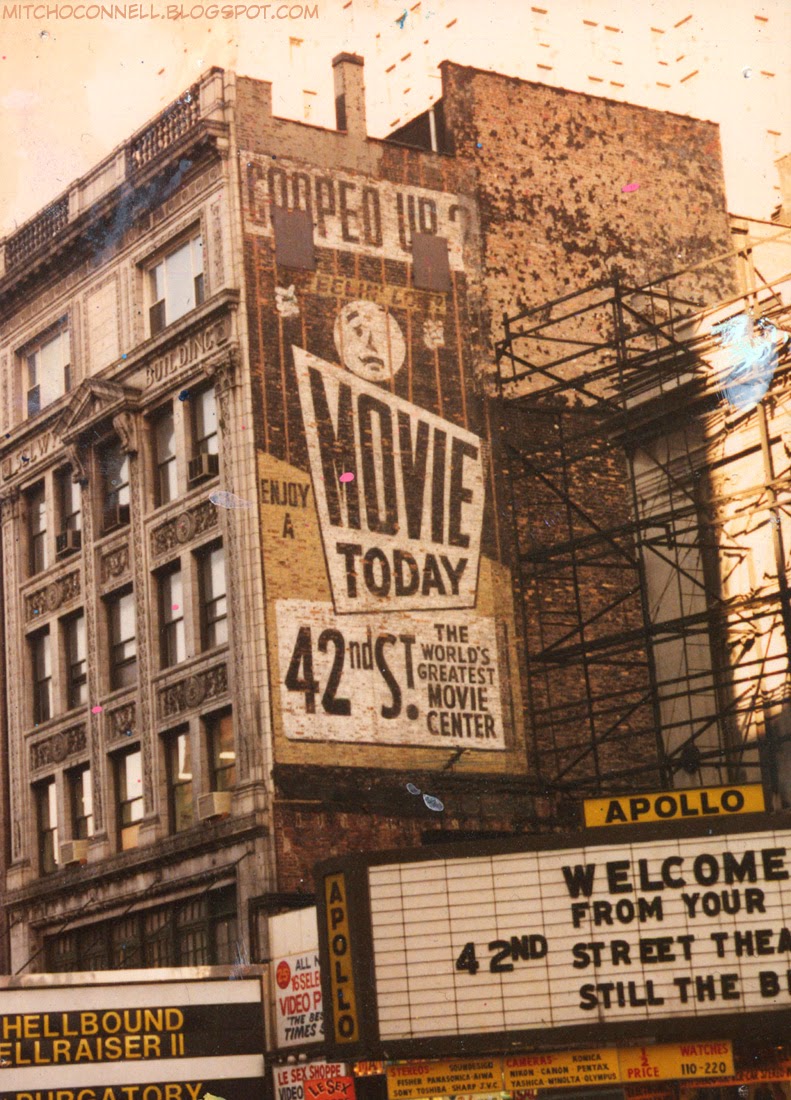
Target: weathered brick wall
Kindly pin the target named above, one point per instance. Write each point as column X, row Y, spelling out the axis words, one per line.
column 551, row 165
column 306, row 835
column 591, row 715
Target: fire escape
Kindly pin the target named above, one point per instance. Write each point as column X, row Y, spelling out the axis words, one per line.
column 647, row 432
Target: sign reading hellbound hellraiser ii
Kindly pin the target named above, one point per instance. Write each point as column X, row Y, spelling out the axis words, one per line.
column 680, row 928
column 134, row 1038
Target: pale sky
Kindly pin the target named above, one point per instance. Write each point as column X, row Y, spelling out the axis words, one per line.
column 71, row 90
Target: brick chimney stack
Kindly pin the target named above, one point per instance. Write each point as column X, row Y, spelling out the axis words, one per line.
column 349, row 94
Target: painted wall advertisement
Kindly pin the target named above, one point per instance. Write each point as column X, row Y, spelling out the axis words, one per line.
column 687, row 932
column 390, row 610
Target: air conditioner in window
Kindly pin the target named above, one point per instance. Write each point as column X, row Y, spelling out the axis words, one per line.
column 203, row 466
column 73, row 851
column 68, row 542
column 214, row 805
column 116, row 517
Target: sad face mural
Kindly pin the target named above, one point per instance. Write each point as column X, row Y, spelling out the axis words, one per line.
column 369, row 341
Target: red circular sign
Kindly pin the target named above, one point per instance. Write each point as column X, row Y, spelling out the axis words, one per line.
column 283, row 974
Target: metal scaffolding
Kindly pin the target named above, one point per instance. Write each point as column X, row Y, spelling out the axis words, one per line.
column 647, row 435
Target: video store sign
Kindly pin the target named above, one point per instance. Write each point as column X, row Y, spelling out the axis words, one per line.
column 686, row 930
column 299, row 1018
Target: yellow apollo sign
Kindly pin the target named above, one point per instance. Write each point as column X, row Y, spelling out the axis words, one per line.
column 344, row 1001
column 515, row 1074
column 675, row 805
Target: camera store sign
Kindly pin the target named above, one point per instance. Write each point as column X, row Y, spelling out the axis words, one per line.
column 685, row 930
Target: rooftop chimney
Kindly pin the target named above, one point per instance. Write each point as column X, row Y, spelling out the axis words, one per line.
column 349, row 94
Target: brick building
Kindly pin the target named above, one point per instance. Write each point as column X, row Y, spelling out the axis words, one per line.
column 205, row 696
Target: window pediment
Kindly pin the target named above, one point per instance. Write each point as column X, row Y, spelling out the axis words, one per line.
column 94, row 404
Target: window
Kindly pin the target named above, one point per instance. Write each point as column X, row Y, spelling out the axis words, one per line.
column 173, row 646
column 48, row 365
column 129, row 780
column 42, row 676
column 81, row 803
column 202, row 928
column 126, row 948
column 47, row 815
column 114, row 462
column 180, row 780
column 76, row 661
column 222, row 754
column 123, row 641
column 37, row 529
column 204, row 414
column 69, row 501
column 213, row 599
column 165, row 456
column 175, row 285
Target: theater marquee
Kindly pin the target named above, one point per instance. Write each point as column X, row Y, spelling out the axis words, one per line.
column 676, row 936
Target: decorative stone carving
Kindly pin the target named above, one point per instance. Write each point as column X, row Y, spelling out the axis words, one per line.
column 185, row 527
column 115, row 563
column 53, row 595
column 58, row 747
column 9, row 500
column 222, row 368
column 175, row 533
column 121, row 722
column 193, row 690
column 126, row 427
column 76, row 455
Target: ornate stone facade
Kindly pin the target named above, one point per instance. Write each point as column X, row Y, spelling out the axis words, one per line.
column 52, row 596
column 175, row 533
column 58, row 747
column 191, row 692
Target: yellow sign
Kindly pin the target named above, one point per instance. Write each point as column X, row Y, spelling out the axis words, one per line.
column 415, row 1080
column 676, row 1061
column 571, row 1068
column 699, row 802
column 344, row 1002
column 780, row 1071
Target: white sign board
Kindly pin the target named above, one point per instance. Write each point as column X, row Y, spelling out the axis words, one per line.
column 615, row 932
column 298, row 1012
column 405, row 531
column 431, row 679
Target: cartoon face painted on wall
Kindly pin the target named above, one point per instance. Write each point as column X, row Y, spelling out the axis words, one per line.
column 369, row 342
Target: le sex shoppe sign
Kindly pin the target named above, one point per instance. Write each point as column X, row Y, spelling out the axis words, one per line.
column 474, row 949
